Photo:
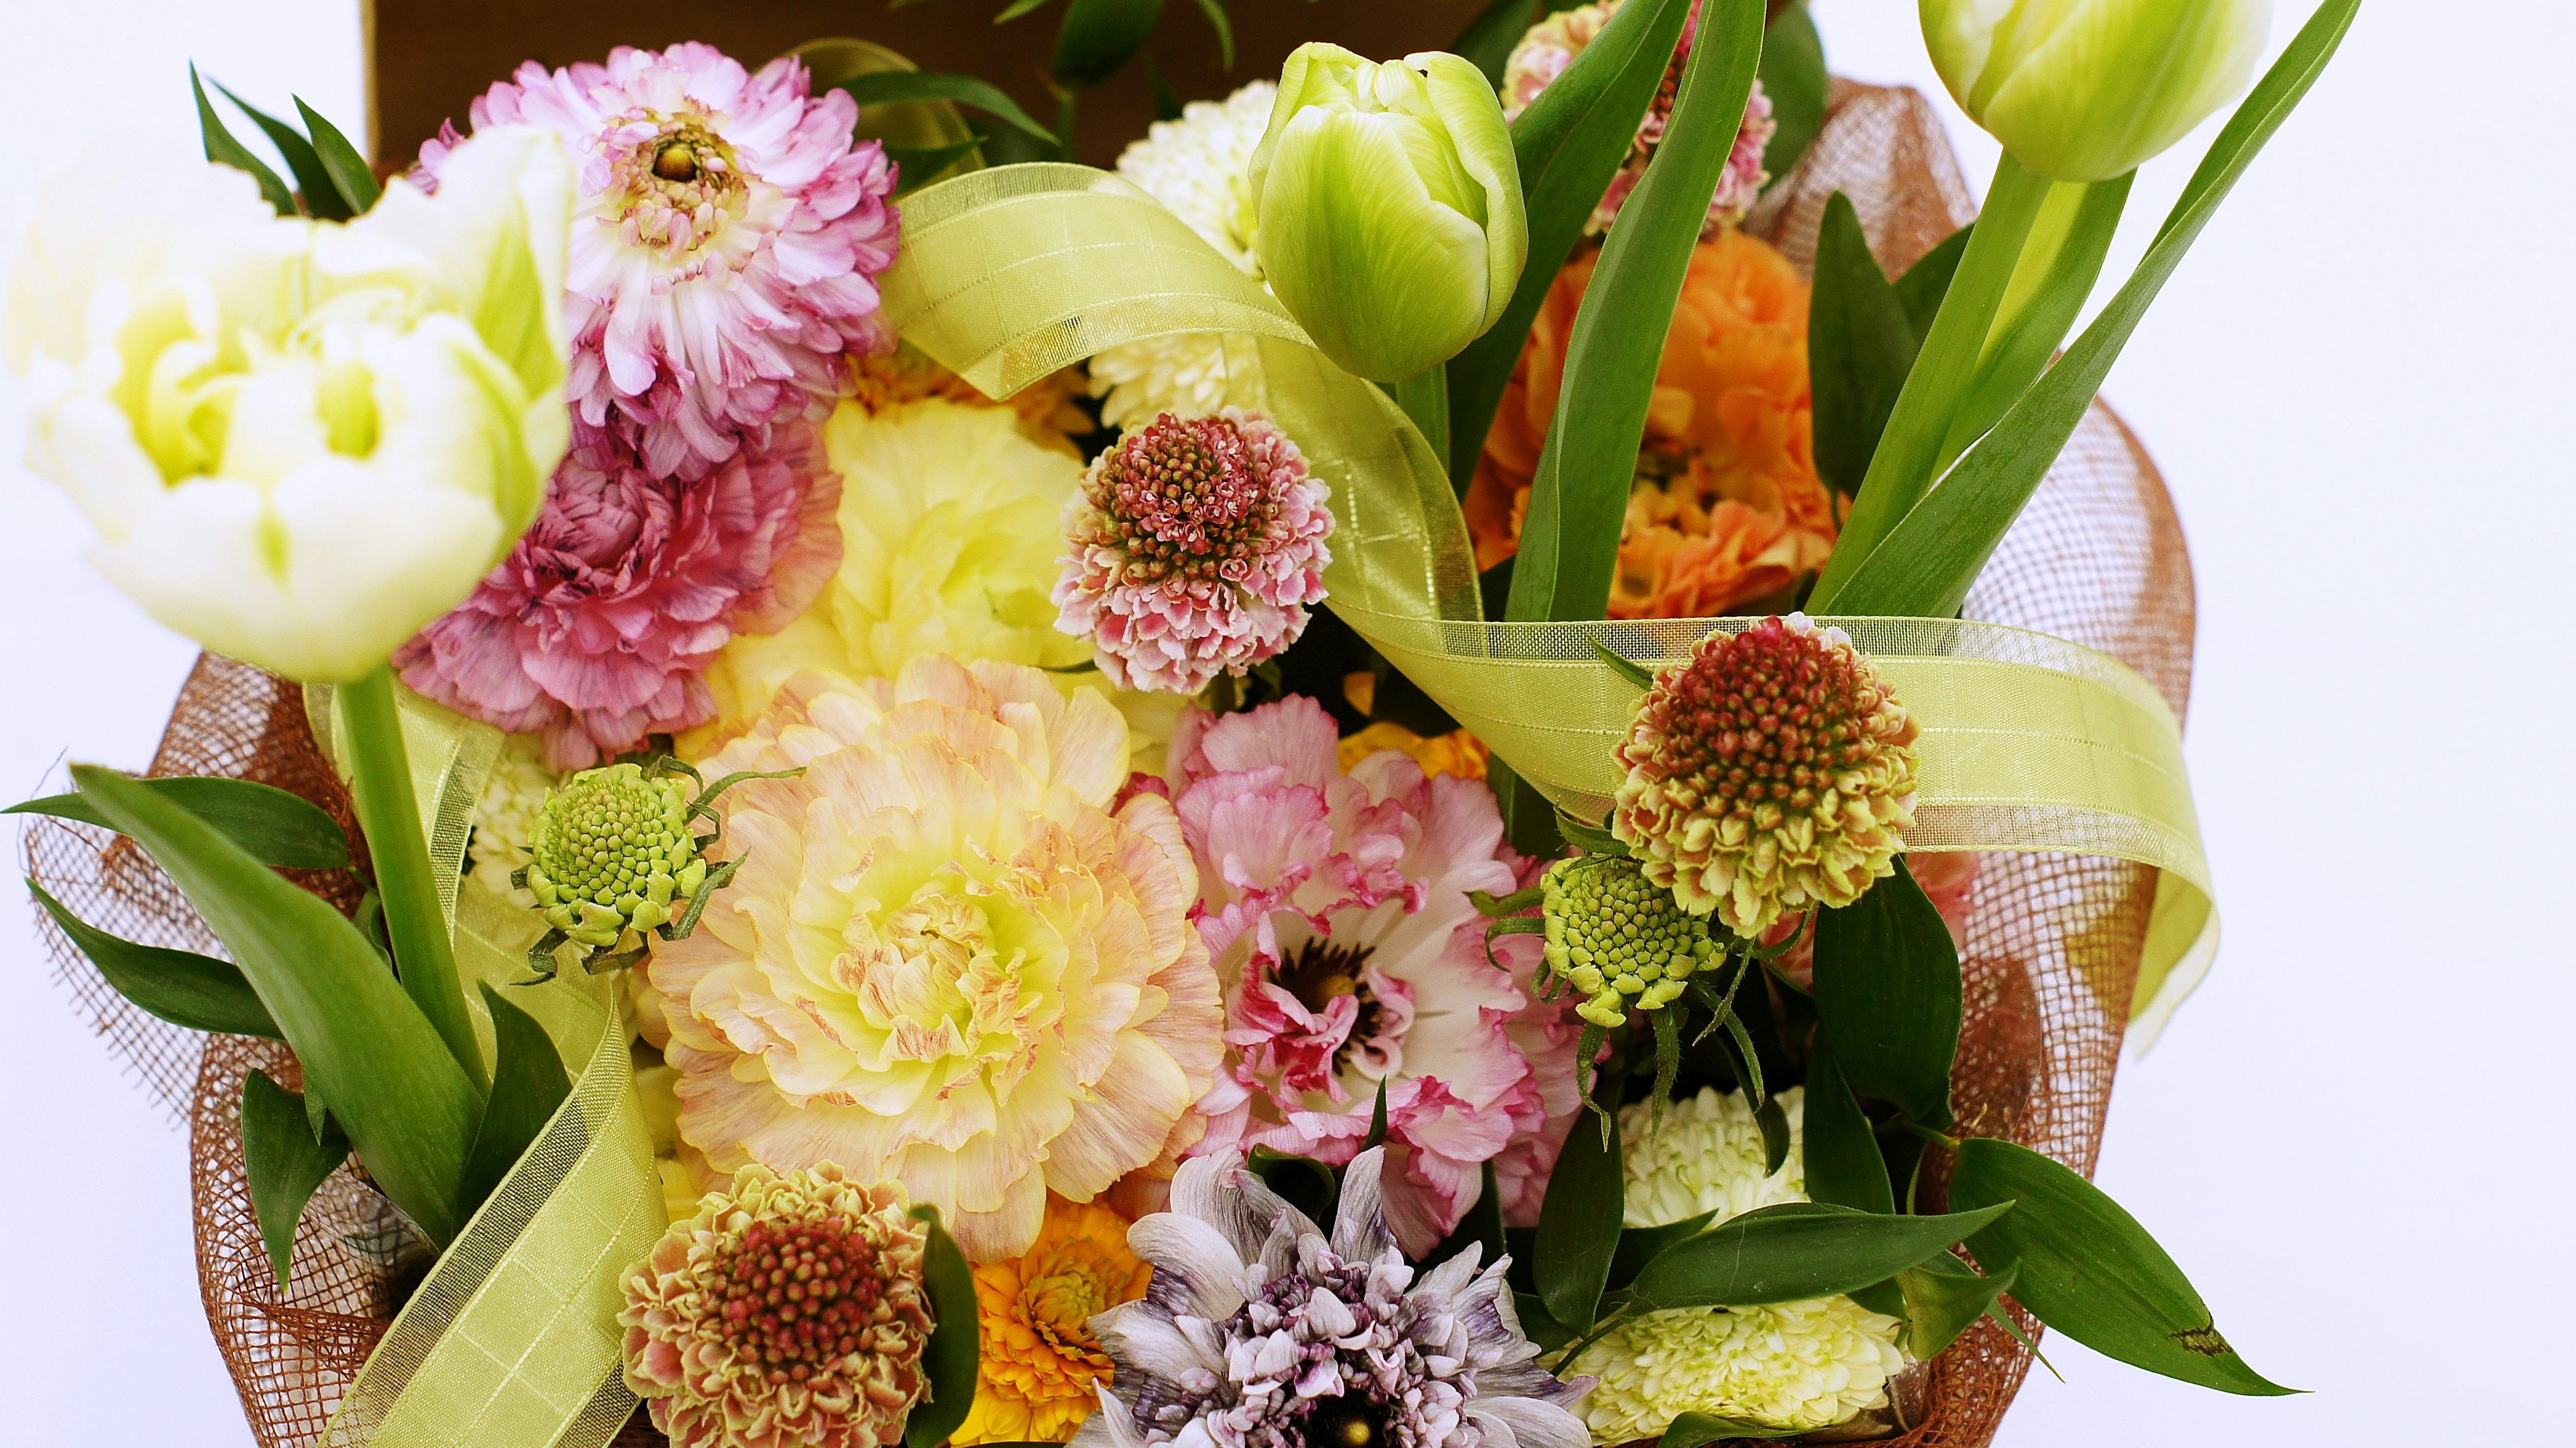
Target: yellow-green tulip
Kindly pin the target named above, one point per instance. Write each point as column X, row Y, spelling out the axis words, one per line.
column 1388, row 207
column 2084, row 90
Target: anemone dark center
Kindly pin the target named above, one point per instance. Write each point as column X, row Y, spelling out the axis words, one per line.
column 1349, row 1421
column 1324, row 969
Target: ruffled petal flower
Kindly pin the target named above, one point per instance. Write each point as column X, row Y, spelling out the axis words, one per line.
column 1041, row 1368
column 1794, row 1365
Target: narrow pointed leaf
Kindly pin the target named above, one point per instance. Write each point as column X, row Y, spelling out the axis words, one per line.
column 1698, row 1430
column 1640, row 1245
column 2029, row 328
column 179, row 986
column 1537, row 1325
column 1013, row 11
column 1221, row 20
column 528, row 1083
column 1489, row 38
column 286, row 1156
column 224, row 150
column 322, row 199
column 1844, row 1166
column 886, row 87
column 1099, row 37
column 2087, row 1269
column 348, row 170
column 1794, row 1252
column 1578, row 1226
column 1927, row 281
column 1793, row 75
column 1888, row 994
column 949, row 1361
column 1859, row 346
column 1626, row 667
column 404, row 1101
column 1944, row 1297
column 277, row 828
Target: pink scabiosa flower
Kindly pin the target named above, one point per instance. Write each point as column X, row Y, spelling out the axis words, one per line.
column 1551, row 45
column 1336, row 908
column 1767, row 775
column 1196, row 547
column 726, row 247
column 597, row 627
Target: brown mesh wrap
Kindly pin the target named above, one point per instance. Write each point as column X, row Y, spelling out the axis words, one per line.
column 2052, row 948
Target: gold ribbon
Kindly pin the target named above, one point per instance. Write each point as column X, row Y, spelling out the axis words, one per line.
column 2030, row 743
column 512, row 1339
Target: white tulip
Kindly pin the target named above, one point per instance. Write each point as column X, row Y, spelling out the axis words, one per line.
column 298, row 441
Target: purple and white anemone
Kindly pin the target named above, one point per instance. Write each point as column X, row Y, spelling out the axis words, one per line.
column 1258, row 1331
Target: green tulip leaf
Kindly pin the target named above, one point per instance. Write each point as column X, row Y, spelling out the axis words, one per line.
column 2086, row 1268
column 179, row 986
column 1844, row 1166
column 528, row 1083
column 1793, row 75
column 1859, row 347
column 1924, row 565
column 277, row 828
column 322, row 199
column 889, row 87
column 1926, row 282
column 1888, row 996
column 1568, row 146
column 286, row 1158
column 949, row 1361
column 1796, row 1251
column 2061, row 262
column 405, row 1102
column 1698, row 1430
column 224, row 149
column 1944, row 1297
column 1586, row 470
column 1099, row 37
column 1579, row 1225
column 348, row 170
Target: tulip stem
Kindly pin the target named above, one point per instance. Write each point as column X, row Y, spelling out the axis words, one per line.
column 1901, row 471
column 389, row 813
column 1424, row 396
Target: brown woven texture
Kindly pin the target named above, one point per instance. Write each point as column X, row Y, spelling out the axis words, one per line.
column 2052, row 948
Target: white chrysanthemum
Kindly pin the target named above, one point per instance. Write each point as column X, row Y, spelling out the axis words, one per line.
column 1195, row 166
column 1706, row 1156
column 1797, row 1365
column 505, row 817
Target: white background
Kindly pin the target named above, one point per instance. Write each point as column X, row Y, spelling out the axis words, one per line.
column 2359, row 388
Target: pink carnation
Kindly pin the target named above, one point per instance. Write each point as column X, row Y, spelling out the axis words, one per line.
column 1336, row 909
column 598, row 625
column 1196, row 547
column 725, row 248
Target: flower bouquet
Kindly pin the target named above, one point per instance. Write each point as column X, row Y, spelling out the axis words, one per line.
column 1486, row 754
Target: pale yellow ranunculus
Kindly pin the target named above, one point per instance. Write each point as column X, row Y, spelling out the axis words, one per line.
column 1388, row 207
column 2084, row 90
column 298, row 441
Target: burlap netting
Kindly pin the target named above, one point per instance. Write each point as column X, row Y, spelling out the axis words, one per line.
column 2053, row 944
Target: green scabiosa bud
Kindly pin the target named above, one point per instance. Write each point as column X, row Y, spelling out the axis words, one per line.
column 1388, row 206
column 1618, row 938
column 612, row 852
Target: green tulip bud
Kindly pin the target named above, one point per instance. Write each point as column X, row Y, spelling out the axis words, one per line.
column 1387, row 207
column 2084, row 90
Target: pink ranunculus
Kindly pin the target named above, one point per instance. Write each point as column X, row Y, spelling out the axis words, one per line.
column 596, row 628
column 725, row 248
column 1336, row 907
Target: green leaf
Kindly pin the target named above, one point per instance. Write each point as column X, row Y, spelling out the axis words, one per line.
column 285, row 1159
column 1796, row 1251
column 1016, row 9
column 888, row 87
column 1536, row 1325
column 180, row 986
column 2056, row 273
column 1578, row 1226
column 1624, row 666
column 1844, row 1166
column 277, row 828
column 1793, row 75
column 1300, row 1181
column 528, row 1083
column 1640, row 1245
column 1944, row 1297
column 1888, row 991
column 1924, row 565
column 1099, row 37
column 1587, row 468
column 2087, row 1269
column 1167, row 107
column 1221, row 20
column 322, row 199
column 1567, row 145
column 224, row 150
column 1859, row 347
column 1489, row 38
column 927, row 162
column 1480, row 1227
column 348, row 170
column 404, row 1101
column 1775, row 1134
column 949, row 1359
column 1927, row 281
column 1698, row 1430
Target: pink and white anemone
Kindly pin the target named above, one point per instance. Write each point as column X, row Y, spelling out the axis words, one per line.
column 1336, row 907
column 725, row 248
column 597, row 629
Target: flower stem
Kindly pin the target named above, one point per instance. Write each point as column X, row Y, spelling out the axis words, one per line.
column 389, row 814
column 1900, row 472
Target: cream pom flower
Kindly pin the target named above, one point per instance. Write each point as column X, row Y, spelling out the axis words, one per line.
column 505, row 816
column 1795, row 1365
column 1706, row 1156
column 947, row 959
column 1195, row 166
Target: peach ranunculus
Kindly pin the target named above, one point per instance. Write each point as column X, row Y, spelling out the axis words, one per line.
column 1728, row 510
column 951, row 958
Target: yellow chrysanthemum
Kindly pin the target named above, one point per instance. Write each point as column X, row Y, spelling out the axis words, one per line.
column 1456, row 752
column 1040, row 1365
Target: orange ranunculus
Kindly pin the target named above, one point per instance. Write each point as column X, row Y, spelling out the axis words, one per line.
column 1728, row 509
